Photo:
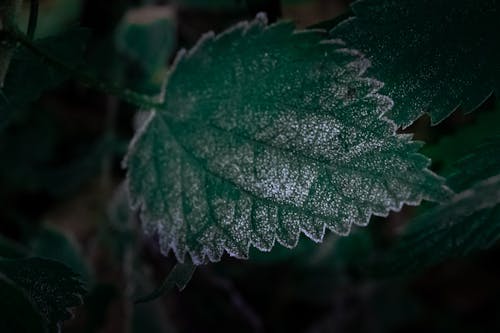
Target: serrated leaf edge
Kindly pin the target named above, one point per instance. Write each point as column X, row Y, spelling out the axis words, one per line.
column 361, row 63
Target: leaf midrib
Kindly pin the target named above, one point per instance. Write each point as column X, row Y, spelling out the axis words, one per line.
column 268, row 201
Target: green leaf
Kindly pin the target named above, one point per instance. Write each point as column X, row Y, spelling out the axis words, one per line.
column 50, row 285
column 17, row 312
column 482, row 163
column 433, row 55
column 266, row 133
column 469, row 222
column 449, row 149
column 19, row 91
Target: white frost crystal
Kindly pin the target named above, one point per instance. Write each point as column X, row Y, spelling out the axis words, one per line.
column 265, row 133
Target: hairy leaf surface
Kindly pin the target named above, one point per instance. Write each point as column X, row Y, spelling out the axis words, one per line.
column 18, row 314
column 433, row 55
column 265, row 133
column 50, row 285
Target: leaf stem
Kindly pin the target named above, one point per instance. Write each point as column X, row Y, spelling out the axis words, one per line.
column 33, row 19
column 178, row 277
column 129, row 96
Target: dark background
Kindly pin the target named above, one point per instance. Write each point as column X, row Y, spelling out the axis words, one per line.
column 61, row 172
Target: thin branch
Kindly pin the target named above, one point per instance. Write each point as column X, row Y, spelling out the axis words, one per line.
column 33, row 19
column 129, row 96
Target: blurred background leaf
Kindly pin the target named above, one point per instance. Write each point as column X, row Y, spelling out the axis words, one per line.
column 146, row 38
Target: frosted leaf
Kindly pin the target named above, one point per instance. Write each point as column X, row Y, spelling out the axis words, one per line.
column 267, row 132
column 433, row 55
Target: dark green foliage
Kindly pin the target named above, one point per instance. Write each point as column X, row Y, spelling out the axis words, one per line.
column 481, row 163
column 49, row 285
column 432, row 55
column 470, row 221
column 18, row 314
column 450, row 148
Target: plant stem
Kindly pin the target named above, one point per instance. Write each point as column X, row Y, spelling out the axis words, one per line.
column 131, row 97
column 9, row 11
column 33, row 19
column 178, row 277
